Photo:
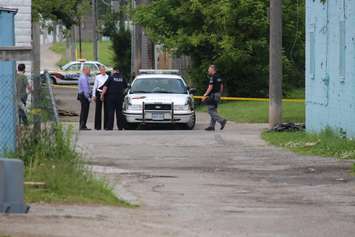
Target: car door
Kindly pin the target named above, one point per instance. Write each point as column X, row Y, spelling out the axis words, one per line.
column 72, row 72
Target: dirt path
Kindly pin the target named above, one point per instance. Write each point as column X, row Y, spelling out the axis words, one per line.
column 195, row 183
column 49, row 59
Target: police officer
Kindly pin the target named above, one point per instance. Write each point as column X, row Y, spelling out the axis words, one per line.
column 212, row 97
column 113, row 93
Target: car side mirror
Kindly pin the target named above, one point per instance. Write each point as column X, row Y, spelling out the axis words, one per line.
column 129, row 85
column 192, row 90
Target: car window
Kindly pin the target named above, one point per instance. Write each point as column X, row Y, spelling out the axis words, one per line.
column 159, row 85
column 92, row 66
column 73, row 67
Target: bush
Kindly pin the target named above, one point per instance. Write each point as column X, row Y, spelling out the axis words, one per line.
column 233, row 34
column 51, row 158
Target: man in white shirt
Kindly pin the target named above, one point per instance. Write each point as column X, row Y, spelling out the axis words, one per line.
column 97, row 90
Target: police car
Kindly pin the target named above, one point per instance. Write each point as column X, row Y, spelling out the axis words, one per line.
column 159, row 97
column 70, row 72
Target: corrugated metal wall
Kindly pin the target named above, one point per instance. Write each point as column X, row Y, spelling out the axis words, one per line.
column 330, row 66
column 7, row 85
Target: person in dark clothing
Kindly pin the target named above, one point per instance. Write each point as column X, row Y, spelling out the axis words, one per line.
column 113, row 93
column 22, row 86
column 212, row 97
column 96, row 92
column 84, row 96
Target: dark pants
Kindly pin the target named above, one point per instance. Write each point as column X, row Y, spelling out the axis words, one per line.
column 98, row 112
column 114, row 105
column 84, row 112
column 212, row 110
column 21, row 111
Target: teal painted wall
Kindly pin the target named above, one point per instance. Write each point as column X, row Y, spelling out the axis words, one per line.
column 7, row 85
column 330, row 65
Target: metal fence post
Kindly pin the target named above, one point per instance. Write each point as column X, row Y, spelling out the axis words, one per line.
column 52, row 98
column 36, row 63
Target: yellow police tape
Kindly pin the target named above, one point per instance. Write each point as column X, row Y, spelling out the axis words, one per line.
column 253, row 99
column 65, row 86
column 222, row 98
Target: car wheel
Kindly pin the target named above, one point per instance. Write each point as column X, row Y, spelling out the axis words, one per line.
column 54, row 81
column 191, row 125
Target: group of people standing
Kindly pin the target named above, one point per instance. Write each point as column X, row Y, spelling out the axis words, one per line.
column 108, row 95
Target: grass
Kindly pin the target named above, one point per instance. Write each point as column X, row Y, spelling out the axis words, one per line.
column 51, row 158
column 326, row 144
column 257, row 112
column 296, row 94
column 105, row 52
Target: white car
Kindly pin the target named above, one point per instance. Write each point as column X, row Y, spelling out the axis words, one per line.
column 70, row 72
column 159, row 97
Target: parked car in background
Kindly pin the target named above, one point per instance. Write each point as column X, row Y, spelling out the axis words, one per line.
column 159, row 97
column 70, row 72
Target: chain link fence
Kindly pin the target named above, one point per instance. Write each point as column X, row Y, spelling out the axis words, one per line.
column 7, row 108
column 19, row 116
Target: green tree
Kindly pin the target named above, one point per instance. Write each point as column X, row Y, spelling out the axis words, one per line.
column 114, row 27
column 66, row 11
column 233, row 34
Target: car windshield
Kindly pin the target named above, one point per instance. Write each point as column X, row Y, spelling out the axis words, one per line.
column 159, row 85
column 72, row 67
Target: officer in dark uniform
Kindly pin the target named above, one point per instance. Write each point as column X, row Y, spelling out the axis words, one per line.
column 212, row 97
column 113, row 93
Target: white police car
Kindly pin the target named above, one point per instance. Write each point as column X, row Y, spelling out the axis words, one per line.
column 70, row 72
column 159, row 97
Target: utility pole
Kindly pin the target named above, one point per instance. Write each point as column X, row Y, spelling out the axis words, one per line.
column 275, row 54
column 55, row 32
column 133, row 42
column 36, row 70
column 94, row 27
column 80, row 43
column 73, row 43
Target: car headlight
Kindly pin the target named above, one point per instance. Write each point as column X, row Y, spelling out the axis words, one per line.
column 129, row 106
column 181, row 107
column 186, row 107
column 134, row 107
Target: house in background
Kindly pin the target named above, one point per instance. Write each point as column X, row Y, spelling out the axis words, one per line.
column 22, row 24
column 330, row 66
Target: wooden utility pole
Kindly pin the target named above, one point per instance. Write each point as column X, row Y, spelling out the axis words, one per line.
column 133, row 41
column 55, row 32
column 275, row 74
column 80, row 39
column 73, row 44
column 94, row 29
column 36, row 70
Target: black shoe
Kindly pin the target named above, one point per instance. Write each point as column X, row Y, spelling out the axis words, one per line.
column 85, row 129
column 209, row 129
column 223, row 124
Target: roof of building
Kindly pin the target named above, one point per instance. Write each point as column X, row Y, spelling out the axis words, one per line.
column 14, row 10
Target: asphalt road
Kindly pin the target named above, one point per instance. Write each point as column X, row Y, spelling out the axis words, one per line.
column 197, row 183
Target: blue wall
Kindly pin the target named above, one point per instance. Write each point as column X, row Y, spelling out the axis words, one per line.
column 7, row 86
column 330, row 65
